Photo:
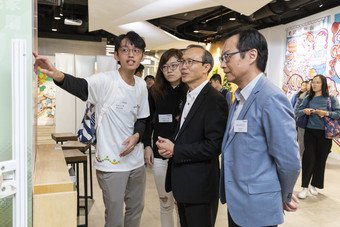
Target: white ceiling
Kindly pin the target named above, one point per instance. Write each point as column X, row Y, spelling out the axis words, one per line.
column 121, row 16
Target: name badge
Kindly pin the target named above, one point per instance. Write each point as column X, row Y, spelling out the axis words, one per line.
column 164, row 118
column 241, row 126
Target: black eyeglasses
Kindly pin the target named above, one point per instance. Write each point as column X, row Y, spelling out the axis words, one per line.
column 226, row 56
column 172, row 66
column 189, row 62
column 126, row 51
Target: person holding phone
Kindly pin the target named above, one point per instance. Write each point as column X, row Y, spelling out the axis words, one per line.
column 317, row 147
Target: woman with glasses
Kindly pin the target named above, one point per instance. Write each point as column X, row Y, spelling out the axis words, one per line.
column 317, row 147
column 166, row 98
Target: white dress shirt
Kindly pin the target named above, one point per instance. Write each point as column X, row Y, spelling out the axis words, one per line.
column 241, row 97
column 191, row 97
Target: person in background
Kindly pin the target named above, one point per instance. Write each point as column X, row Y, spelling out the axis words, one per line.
column 166, row 99
column 305, row 88
column 193, row 168
column 121, row 101
column 150, row 80
column 139, row 70
column 317, row 147
column 260, row 160
column 216, row 82
column 299, row 96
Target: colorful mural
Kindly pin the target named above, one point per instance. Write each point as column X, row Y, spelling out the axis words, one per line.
column 313, row 48
column 334, row 63
column 306, row 53
column 46, row 99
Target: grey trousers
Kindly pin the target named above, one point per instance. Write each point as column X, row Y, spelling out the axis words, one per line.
column 119, row 188
column 301, row 140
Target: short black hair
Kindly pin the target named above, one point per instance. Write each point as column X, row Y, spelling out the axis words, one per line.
column 140, row 68
column 216, row 77
column 253, row 39
column 206, row 58
column 133, row 37
column 149, row 77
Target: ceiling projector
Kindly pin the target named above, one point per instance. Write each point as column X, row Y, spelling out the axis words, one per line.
column 73, row 22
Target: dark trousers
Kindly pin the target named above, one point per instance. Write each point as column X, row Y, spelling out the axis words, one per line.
column 198, row 215
column 317, row 148
column 231, row 222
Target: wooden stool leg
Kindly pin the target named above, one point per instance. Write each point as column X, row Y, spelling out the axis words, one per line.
column 90, row 162
column 77, row 177
column 85, row 192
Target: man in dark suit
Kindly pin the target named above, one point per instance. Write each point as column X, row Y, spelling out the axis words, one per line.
column 193, row 170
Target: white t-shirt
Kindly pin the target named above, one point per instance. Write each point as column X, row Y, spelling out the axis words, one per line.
column 118, row 106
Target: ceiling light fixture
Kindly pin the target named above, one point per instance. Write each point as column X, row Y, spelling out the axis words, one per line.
column 232, row 18
column 54, row 29
column 56, row 15
column 73, row 22
column 321, row 4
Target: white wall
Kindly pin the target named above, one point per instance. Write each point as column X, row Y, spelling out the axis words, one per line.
column 276, row 38
column 276, row 52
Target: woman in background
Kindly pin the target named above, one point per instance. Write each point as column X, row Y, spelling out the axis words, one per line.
column 300, row 94
column 317, row 147
column 304, row 91
column 166, row 98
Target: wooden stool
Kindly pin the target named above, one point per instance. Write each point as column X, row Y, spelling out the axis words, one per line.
column 74, row 157
column 62, row 137
column 83, row 147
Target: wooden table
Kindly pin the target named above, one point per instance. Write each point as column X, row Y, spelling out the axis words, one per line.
column 64, row 136
column 54, row 198
column 75, row 157
column 83, row 147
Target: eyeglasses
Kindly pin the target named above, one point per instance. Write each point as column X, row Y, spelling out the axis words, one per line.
column 126, row 51
column 173, row 66
column 226, row 56
column 189, row 62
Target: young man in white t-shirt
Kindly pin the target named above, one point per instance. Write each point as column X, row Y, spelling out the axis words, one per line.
column 121, row 100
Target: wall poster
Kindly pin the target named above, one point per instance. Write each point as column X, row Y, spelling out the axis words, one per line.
column 46, row 102
column 313, row 48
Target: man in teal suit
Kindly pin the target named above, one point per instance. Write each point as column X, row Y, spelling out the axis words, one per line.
column 260, row 159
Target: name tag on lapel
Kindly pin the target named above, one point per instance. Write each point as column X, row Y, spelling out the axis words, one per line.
column 164, row 118
column 241, row 126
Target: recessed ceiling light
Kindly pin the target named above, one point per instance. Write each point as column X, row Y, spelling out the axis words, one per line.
column 320, row 5
column 54, row 29
column 196, row 31
column 232, row 18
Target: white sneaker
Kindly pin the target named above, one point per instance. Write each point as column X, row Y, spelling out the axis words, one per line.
column 303, row 193
column 313, row 191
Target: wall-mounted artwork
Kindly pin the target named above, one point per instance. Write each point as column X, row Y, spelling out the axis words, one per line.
column 46, row 100
column 334, row 63
column 306, row 53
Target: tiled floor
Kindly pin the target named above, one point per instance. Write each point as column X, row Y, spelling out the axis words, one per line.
column 320, row 211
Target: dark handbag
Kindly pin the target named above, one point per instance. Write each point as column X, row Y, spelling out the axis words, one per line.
column 302, row 121
column 332, row 126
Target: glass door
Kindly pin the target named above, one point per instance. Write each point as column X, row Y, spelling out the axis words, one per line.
column 16, row 116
